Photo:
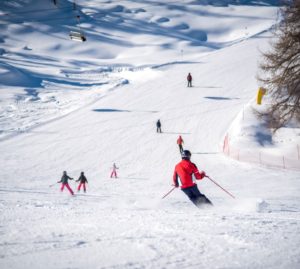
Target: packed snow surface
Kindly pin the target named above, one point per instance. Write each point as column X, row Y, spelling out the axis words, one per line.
column 74, row 106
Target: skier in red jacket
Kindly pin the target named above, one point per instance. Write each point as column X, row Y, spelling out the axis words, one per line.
column 180, row 142
column 183, row 176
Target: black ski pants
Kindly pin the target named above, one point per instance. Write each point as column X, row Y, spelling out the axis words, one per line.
column 180, row 148
column 196, row 196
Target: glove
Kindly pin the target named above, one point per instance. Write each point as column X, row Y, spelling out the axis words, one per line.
column 203, row 174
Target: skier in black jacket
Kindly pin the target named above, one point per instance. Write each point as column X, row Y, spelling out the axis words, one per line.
column 189, row 79
column 82, row 180
column 158, row 126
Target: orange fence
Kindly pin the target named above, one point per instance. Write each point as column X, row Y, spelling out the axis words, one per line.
column 288, row 161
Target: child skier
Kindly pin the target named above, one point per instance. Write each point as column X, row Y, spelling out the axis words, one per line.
column 64, row 182
column 114, row 171
column 183, row 175
column 82, row 179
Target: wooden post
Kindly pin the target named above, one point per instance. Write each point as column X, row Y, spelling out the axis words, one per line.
column 283, row 162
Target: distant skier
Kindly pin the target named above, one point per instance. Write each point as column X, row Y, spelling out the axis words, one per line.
column 82, row 179
column 189, row 79
column 158, row 126
column 64, row 181
column 183, row 176
column 114, row 171
column 179, row 143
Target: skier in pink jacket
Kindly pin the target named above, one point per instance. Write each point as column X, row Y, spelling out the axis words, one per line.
column 114, row 171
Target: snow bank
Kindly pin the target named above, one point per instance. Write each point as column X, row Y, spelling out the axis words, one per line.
column 250, row 139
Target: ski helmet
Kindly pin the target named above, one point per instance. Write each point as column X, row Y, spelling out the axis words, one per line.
column 186, row 154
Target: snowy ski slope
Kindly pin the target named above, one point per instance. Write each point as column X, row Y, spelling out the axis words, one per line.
column 74, row 109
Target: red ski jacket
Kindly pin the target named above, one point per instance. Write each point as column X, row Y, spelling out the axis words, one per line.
column 179, row 140
column 183, row 174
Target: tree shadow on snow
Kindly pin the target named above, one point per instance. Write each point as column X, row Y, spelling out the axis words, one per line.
column 123, row 110
column 263, row 138
column 110, row 110
column 29, row 92
column 174, row 63
column 220, row 98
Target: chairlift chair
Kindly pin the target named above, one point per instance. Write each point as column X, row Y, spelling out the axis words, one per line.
column 77, row 36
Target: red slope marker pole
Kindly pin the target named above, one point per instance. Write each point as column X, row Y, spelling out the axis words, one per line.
column 168, row 192
column 220, row 187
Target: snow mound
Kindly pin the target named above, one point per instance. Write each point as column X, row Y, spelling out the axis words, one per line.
column 13, row 76
column 181, row 26
column 250, row 139
column 198, row 35
column 258, row 205
column 262, row 206
column 162, row 20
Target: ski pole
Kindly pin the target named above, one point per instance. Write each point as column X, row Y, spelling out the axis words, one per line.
column 220, row 187
column 168, row 192
column 52, row 185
